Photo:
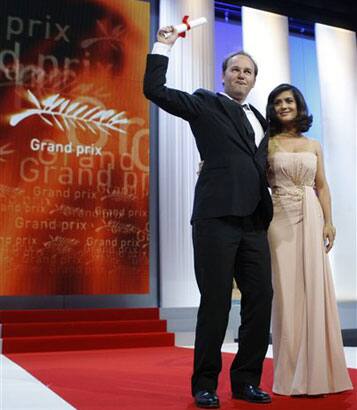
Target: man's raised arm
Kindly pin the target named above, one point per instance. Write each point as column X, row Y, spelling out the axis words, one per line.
column 176, row 102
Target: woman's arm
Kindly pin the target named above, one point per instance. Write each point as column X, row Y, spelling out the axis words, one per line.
column 323, row 193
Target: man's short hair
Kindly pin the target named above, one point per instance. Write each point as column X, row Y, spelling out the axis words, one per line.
column 239, row 53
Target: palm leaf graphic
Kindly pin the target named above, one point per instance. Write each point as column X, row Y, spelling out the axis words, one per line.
column 62, row 112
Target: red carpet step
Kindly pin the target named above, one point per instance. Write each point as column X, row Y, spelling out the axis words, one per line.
column 82, row 329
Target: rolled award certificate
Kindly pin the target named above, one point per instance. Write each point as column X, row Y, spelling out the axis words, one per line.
column 187, row 25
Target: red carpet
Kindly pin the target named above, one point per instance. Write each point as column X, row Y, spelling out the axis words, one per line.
column 151, row 379
column 82, row 329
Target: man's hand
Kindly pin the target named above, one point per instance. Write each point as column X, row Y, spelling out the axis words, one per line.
column 167, row 35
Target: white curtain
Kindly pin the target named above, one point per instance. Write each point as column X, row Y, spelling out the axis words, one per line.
column 191, row 66
column 337, row 65
column 266, row 38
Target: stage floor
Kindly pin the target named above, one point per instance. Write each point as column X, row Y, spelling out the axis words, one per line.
column 20, row 390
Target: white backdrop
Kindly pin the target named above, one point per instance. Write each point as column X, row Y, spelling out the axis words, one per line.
column 337, row 64
column 191, row 66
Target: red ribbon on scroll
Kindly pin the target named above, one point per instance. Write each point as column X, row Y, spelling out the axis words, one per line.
column 185, row 21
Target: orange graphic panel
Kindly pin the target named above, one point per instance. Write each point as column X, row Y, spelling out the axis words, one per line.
column 74, row 147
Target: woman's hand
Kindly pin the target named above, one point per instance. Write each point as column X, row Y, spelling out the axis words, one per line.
column 329, row 234
column 167, row 35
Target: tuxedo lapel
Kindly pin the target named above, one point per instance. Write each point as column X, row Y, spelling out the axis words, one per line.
column 259, row 116
column 235, row 114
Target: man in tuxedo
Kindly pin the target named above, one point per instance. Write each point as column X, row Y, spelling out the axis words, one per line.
column 231, row 213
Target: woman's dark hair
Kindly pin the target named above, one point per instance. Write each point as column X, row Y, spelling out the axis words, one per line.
column 303, row 120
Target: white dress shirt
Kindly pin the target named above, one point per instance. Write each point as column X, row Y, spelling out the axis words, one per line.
column 254, row 122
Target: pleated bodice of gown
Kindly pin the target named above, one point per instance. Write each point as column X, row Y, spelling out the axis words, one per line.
column 307, row 343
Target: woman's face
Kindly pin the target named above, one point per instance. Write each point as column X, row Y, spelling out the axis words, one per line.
column 285, row 107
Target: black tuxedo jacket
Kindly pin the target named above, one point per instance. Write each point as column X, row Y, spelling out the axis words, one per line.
column 233, row 178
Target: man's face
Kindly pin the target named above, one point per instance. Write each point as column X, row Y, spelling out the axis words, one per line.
column 239, row 77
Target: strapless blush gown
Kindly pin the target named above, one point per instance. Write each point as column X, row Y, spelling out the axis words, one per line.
column 307, row 342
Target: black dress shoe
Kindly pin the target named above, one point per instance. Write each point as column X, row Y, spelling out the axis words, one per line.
column 251, row 393
column 207, row 399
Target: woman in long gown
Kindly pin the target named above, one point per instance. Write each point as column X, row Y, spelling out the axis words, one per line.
column 307, row 343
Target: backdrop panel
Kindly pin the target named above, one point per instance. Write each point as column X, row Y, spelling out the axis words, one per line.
column 74, row 147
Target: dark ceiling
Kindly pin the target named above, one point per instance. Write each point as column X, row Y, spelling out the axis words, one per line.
column 339, row 13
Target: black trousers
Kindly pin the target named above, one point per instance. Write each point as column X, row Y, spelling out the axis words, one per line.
column 226, row 248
